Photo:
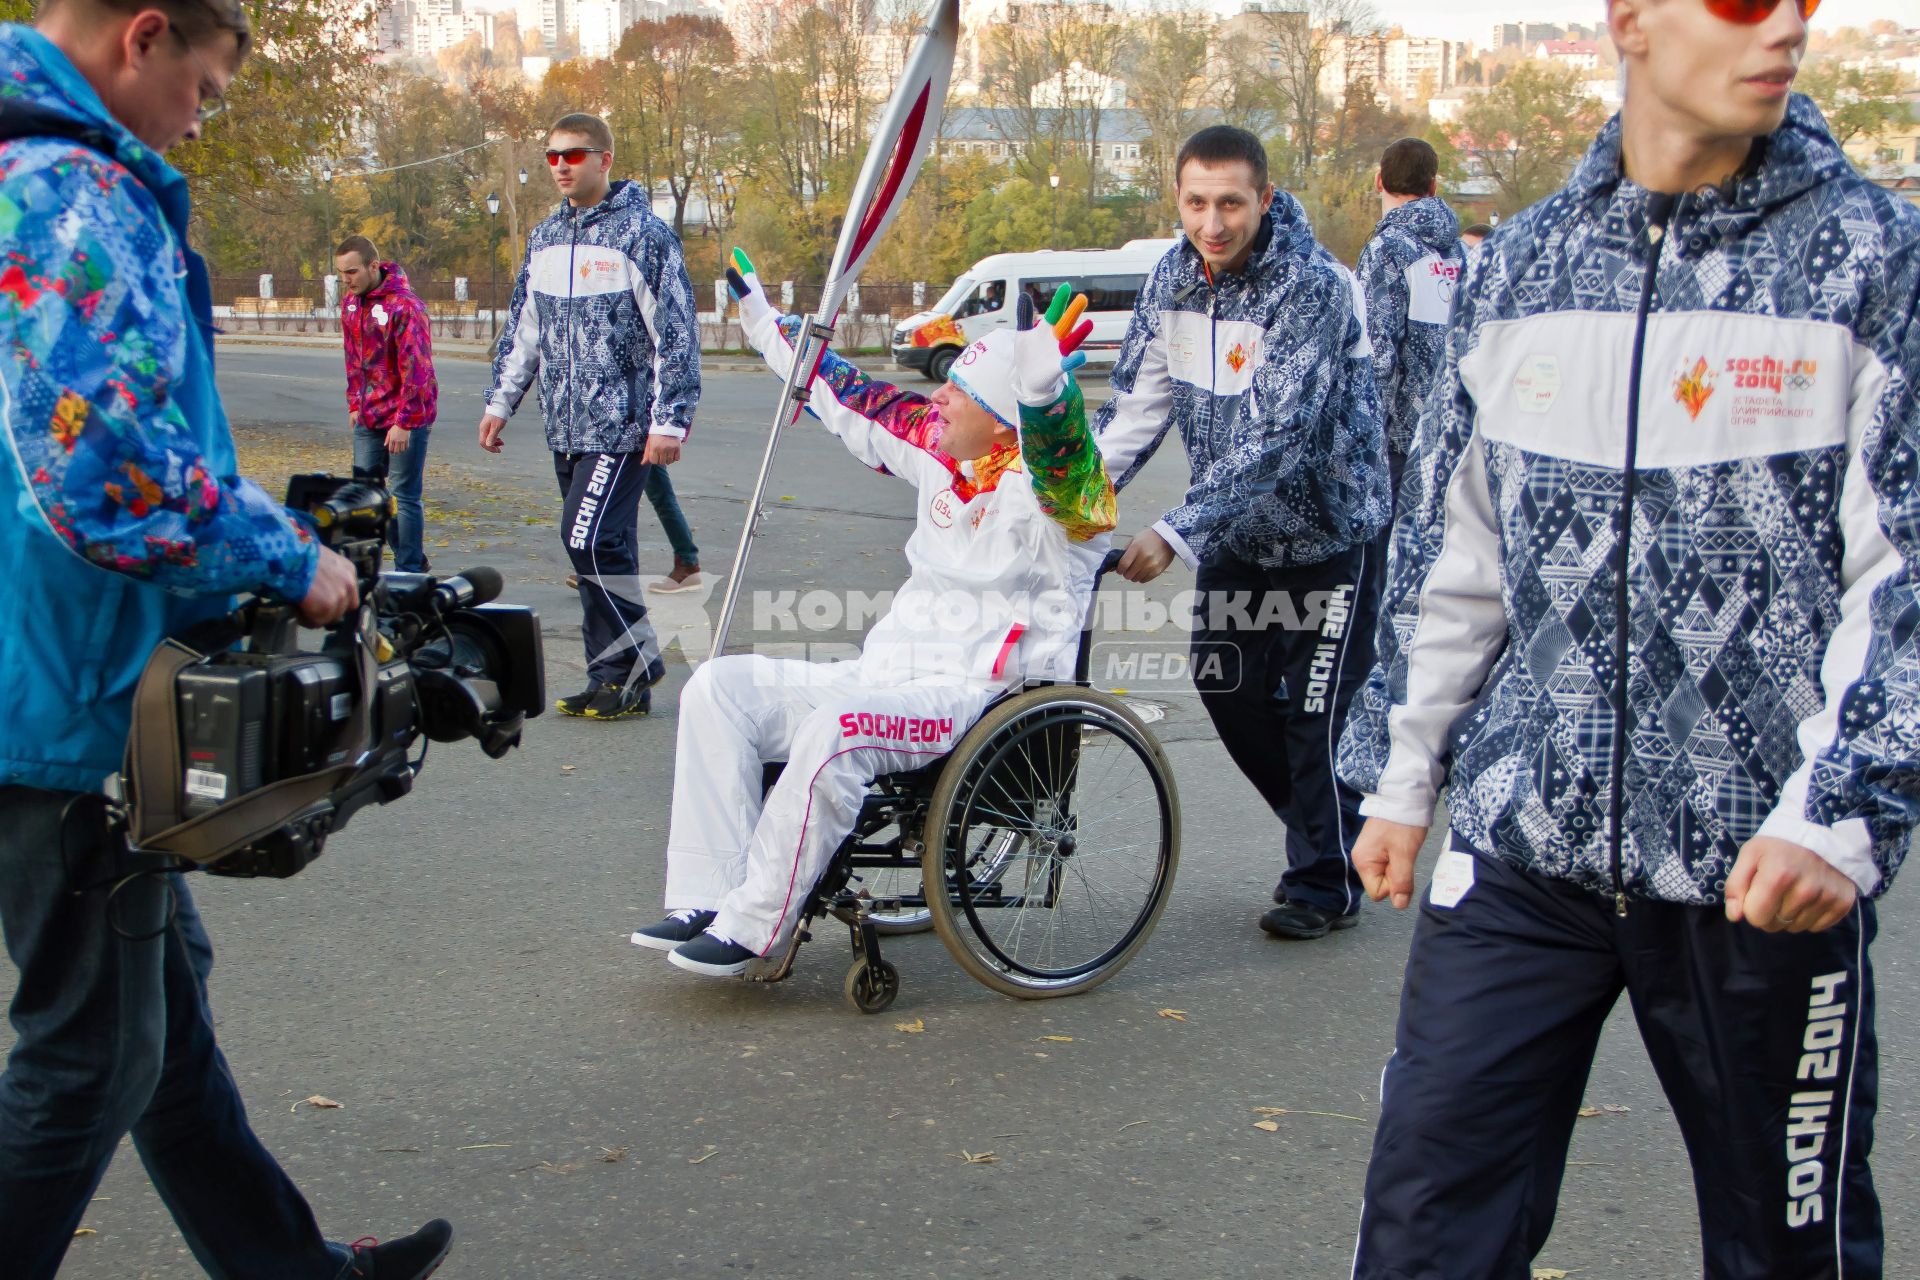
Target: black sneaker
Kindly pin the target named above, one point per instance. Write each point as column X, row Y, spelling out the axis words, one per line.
column 678, row 927
column 413, row 1257
column 1303, row 921
column 576, row 704
column 713, row 955
column 618, row 701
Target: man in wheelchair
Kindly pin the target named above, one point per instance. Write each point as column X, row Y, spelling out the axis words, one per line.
column 1013, row 515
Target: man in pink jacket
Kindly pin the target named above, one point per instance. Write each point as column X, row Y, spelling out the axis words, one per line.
column 391, row 391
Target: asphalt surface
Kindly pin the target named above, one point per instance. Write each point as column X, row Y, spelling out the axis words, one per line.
column 455, row 973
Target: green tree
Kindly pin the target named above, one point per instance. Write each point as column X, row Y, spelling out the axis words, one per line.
column 1858, row 101
column 1528, row 131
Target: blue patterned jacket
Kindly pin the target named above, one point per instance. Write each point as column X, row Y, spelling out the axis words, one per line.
column 123, row 518
column 603, row 314
column 1266, row 374
column 1409, row 271
column 1773, row 684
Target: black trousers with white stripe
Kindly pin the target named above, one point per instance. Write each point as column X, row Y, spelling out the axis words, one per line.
column 1763, row 1042
column 1277, row 655
column 601, row 493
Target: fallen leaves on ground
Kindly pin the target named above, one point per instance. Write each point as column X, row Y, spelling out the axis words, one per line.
column 1058, row 1039
column 85, row 1231
column 1178, row 1015
column 711, row 1152
column 317, row 1102
column 1604, row 1109
column 548, row 1166
column 1551, row 1273
column 484, row 1146
column 911, row 1028
column 614, row 1155
column 979, row 1157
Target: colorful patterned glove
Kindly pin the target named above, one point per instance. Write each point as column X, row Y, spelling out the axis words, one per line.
column 757, row 314
column 1045, row 354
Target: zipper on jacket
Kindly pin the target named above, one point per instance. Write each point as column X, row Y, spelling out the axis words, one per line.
column 573, row 243
column 1660, row 207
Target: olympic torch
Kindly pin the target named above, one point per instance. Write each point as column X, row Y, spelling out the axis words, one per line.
column 905, row 134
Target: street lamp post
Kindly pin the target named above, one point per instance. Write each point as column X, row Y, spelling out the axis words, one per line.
column 1053, row 209
column 326, row 180
column 493, row 262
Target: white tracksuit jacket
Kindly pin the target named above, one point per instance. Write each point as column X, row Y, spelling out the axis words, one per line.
column 1003, row 556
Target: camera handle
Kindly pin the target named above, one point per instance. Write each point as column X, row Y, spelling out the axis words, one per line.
column 151, row 774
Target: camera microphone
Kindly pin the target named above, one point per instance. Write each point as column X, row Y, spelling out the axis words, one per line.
column 469, row 587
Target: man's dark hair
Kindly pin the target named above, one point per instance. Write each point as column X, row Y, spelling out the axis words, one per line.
column 1409, row 168
column 193, row 20
column 1223, row 144
column 360, row 245
column 1481, row 229
column 592, row 128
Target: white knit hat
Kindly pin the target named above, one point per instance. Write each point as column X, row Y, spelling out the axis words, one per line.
column 985, row 372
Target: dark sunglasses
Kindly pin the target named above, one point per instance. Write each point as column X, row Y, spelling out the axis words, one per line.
column 1751, row 13
column 574, row 155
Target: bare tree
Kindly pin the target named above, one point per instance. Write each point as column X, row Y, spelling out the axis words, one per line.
column 1166, row 80
column 1047, row 67
column 1313, row 54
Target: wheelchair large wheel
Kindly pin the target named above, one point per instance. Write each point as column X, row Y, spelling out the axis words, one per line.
column 1055, row 827
column 890, row 884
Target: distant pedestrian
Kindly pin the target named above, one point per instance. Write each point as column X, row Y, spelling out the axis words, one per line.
column 1472, row 236
column 392, row 394
column 1408, row 270
column 603, row 315
column 685, row 574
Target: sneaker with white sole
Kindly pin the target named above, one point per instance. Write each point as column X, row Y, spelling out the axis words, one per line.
column 712, row 955
column 679, row 926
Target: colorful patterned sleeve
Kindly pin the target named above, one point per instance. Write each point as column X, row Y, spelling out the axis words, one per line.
column 1064, row 463
column 92, row 315
column 886, row 427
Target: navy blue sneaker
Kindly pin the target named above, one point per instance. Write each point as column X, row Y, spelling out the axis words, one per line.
column 413, row 1257
column 678, row 927
column 713, row 955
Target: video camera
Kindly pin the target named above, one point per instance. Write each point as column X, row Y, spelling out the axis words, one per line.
column 247, row 759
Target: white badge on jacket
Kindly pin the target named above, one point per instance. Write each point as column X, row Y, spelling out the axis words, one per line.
column 1452, row 878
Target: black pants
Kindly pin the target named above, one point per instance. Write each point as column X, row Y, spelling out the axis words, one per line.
column 1277, row 655
column 1763, row 1042
column 602, row 496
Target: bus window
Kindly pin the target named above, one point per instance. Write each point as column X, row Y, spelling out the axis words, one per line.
column 1042, row 291
column 1112, row 293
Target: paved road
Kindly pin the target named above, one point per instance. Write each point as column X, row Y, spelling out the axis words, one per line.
column 455, row 972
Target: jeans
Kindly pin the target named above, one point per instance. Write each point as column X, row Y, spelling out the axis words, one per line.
column 115, row 1036
column 402, row 473
column 660, row 493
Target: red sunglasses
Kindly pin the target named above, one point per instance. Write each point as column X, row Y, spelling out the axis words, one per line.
column 1751, row 13
column 578, row 155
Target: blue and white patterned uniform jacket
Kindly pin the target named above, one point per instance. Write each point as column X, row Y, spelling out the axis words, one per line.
column 1409, row 271
column 603, row 312
column 1773, row 685
column 1266, row 373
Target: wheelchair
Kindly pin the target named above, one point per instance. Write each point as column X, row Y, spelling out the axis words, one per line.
column 1041, row 849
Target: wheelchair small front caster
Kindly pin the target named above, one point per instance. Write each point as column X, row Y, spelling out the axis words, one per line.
column 870, row 988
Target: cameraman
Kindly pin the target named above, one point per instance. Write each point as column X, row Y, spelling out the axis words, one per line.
column 123, row 521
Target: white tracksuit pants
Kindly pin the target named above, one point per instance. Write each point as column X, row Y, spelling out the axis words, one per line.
column 755, row 861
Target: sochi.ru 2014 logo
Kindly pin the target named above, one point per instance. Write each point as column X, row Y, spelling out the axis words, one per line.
column 1694, row 388
column 1237, row 358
